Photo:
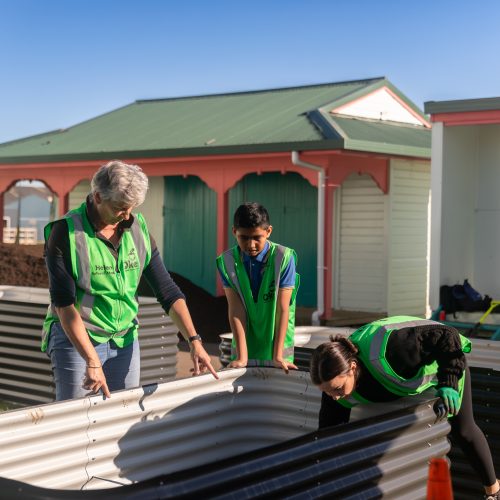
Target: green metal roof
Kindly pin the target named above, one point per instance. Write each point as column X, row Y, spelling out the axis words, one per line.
column 259, row 121
column 384, row 137
column 461, row 106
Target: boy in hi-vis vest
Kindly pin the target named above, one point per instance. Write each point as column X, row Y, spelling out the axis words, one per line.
column 260, row 283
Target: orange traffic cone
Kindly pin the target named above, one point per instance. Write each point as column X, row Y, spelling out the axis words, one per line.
column 439, row 482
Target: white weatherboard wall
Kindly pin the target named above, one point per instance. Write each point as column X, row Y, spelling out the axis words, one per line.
column 152, row 208
column 459, row 181
column 487, row 213
column 408, row 217
column 361, row 248
column 466, row 178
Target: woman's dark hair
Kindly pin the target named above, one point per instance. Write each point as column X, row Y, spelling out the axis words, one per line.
column 332, row 358
column 250, row 215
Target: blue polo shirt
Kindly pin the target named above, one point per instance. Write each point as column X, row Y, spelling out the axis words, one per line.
column 255, row 269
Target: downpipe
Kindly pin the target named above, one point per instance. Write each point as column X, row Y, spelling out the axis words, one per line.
column 315, row 318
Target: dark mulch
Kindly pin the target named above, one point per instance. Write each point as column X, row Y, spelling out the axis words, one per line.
column 23, row 265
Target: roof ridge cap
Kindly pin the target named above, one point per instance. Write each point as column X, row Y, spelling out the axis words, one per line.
column 368, row 81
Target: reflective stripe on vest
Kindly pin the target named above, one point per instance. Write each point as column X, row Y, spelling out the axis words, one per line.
column 261, row 311
column 375, row 350
column 229, row 263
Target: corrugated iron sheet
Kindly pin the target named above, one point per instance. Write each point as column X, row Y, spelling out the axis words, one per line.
column 249, row 435
column 269, row 116
column 266, row 120
column 25, row 371
column 484, row 361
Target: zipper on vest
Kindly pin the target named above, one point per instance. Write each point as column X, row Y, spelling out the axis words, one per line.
column 119, row 311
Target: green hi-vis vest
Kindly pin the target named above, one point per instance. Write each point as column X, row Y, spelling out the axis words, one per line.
column 105, row 287
column 371, row 340
column 261, row 315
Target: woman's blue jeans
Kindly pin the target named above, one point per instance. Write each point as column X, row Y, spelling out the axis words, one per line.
column 121, row 365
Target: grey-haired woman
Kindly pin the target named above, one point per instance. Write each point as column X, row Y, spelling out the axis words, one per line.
column 96, row 255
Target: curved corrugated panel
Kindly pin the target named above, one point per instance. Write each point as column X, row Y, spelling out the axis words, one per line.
column 25, row 371
column 484, row 361
column 248, row 435
column 157, row 429
column 158, row 342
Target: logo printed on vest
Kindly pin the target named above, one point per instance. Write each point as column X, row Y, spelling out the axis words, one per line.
column 269, row 295
column 131, row 263
column 103, row 269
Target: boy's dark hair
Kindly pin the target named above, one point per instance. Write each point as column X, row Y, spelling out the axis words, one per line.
column 251, row 214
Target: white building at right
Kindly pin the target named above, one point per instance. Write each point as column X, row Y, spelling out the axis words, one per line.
column 465, row 195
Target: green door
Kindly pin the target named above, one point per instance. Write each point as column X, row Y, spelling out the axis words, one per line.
column 292, row 205
column 190, row 231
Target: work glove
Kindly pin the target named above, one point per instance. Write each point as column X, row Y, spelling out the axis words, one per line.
column 449, row 402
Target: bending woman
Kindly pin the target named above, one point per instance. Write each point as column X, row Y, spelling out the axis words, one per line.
column 397, row 357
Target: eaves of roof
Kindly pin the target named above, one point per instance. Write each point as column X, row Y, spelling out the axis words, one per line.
column 322, row 145
column 461, row 106
column 340, row 143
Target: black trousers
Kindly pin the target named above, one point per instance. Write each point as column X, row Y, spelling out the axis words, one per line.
column 466, row 433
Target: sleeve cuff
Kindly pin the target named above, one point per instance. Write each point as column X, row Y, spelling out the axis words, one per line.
column 448, row 381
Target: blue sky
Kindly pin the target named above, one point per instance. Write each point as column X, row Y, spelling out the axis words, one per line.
column 65, row 61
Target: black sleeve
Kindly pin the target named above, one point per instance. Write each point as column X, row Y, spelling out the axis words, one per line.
column 164, row 287
column 443, row 344
column 58, row 260
column 332, row 412
column 409, row 349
